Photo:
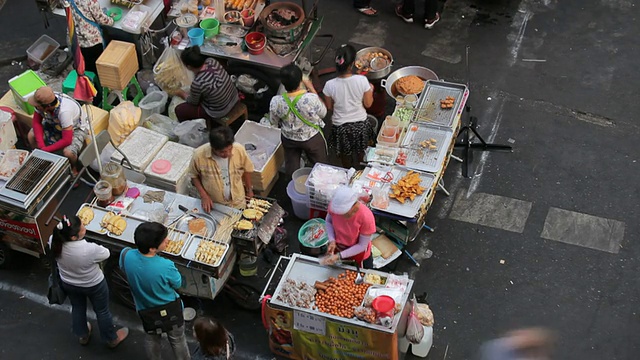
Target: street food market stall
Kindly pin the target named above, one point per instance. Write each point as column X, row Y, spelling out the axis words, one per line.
column 318, row 311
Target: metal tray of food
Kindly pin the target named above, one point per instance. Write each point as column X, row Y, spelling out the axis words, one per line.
column 419, row 156
column 410, row 207
column 127, row 234
column 429, row 110
column 381, row 155
column 176, row 235
column 210, row 223
column 191, row 251
column 308, row 269
column 98, row 214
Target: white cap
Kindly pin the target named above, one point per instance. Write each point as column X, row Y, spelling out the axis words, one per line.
column 343, row 199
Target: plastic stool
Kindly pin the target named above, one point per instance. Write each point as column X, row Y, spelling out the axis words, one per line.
column 422, row 349
column 69, row 83
column 108, row 95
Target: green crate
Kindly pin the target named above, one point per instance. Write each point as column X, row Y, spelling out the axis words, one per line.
column 23, row 86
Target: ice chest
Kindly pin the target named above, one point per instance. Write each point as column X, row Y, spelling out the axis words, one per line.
column 117, row 65
column 23, row 86
column 268, row 156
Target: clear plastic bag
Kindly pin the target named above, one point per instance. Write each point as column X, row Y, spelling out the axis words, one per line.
column 153, row 103
column 192, row 132
column 170, row 73
column 175, row 101
column 415, row 331
column 123, row 119
column 163, row 125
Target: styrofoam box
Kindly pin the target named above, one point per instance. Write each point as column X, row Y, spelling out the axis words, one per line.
column 253, row 133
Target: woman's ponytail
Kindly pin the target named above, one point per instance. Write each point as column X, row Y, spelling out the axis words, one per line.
column 345, row 57
column 63, row 232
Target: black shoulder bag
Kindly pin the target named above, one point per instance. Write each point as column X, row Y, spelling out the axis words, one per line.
column 159, row 319
column 55, row 294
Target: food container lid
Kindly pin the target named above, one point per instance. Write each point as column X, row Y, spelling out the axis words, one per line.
column 133, row 192
column 161, row 166
column 383, row 304
column 187, row 20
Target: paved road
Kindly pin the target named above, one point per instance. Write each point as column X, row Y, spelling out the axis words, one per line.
column 541, row 236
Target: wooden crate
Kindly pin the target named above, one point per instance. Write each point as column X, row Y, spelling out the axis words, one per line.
column 117, row 65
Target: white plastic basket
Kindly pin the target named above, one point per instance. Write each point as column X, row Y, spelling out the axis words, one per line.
column 321, row 191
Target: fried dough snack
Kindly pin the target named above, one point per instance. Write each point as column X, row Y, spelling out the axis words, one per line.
column 86, row 215
column 115, row 224
column 198, row 226
column 409, row 85
column 407, row 187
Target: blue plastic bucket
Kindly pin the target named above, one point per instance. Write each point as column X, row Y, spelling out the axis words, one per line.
column 196, row 36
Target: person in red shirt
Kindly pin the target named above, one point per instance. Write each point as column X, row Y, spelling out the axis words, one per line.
column 350, row 225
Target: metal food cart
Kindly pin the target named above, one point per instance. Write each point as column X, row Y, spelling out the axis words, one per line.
column 305, row 333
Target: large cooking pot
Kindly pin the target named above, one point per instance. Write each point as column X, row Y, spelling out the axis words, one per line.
column 419, row 71
column 379, row 73
column 286, row 34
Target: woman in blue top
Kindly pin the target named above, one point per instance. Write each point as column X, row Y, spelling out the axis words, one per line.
column 154, row 281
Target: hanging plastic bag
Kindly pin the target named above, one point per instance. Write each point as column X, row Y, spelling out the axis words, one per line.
column 153, row 103
column 175, row 101
column 170, row 73
column 163, row 125
column 192, row 132
column 415, row 331
column 123, row 119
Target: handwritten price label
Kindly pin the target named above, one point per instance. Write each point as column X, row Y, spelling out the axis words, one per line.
column 309, row 323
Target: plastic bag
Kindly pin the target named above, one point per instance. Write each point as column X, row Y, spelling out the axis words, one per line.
column 192, row 132
column 162, row 124
column 415, row 331
column 170, row 73
column 123, row 119
column 424, row 314
column 105, row 157
column 175, row 101
column 153, row 103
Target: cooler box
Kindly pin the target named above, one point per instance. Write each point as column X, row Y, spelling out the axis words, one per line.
column 23, row 86
column 117, row 65
column 69, row 83
column 268, row 155
column 177, row 178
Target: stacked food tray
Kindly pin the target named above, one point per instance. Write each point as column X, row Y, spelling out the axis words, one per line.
column 418, row 146
column 429, row 109
column 409, row 208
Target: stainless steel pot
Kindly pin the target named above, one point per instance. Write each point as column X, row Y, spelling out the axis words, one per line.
column 419, row 71
column 376, row 74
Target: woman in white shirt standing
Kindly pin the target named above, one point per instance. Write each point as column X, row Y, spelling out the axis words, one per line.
column 82, row 278
column 349, row 96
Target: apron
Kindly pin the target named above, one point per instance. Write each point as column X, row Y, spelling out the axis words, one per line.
column 359, row 258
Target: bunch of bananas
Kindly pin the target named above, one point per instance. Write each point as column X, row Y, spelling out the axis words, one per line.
column 209, row 252
column 114, row 223
column 86, row 215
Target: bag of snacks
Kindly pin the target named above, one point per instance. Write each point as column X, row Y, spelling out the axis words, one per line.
column 415, row 331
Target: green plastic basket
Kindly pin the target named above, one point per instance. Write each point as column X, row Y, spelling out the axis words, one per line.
column 305, row 227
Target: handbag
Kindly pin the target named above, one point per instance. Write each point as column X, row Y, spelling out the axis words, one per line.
column 159, row 319
column 55, row 294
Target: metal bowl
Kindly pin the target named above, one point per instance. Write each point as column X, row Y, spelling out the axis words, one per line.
column 419, row 71
column 380, row 73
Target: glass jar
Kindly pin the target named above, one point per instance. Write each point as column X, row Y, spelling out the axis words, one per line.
column 104, row 194
column 114, row 174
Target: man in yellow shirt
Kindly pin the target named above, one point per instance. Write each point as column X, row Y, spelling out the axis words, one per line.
column 221, row 171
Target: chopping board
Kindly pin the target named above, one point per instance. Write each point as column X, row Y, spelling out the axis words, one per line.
column 386, row 246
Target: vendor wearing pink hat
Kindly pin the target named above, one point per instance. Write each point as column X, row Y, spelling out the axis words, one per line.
column 350, row 225
column 57, row 125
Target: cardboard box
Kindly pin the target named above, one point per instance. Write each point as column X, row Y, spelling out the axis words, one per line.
column 117, row 65
column 253, row 133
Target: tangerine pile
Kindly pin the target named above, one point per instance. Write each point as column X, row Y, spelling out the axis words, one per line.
column 342, row 295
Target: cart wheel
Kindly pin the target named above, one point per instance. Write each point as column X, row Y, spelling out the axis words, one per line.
column 118, row 284
column 244, row 295
column 6, row 255
column 257, row 104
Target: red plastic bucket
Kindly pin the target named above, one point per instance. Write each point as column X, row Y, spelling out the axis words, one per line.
column 256, row 42
column 384, row 306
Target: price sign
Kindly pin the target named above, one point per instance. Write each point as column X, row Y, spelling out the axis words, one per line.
column 309, row 323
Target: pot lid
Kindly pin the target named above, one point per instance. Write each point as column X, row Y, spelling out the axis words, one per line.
column 187, row 20
column 161, row 166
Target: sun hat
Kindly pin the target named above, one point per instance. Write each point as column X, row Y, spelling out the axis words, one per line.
column 42, row 96
column 343, row 199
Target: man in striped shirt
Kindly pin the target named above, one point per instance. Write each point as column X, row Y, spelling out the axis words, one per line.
column 212, row 96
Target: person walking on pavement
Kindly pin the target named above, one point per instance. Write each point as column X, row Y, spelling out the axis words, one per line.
column 364, row 7
column 154, row 281
column 78, row 263
column 214, row 341
column 405, row 10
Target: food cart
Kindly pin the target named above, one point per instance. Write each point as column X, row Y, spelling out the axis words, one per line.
column 299, row 330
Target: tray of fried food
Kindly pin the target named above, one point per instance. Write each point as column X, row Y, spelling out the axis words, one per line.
column 91, row 217
column 176, row 241
column 408, row 187
column 114, row 223
column 205, row 251
column 243, row 225
column 409, row 192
